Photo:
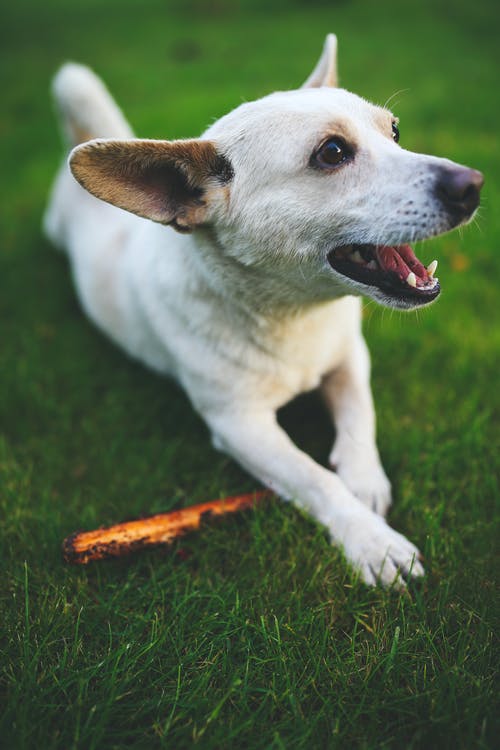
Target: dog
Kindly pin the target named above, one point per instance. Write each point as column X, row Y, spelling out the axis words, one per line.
column 287, row 211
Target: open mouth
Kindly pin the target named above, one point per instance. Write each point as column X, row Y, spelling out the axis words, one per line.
column 396, row 271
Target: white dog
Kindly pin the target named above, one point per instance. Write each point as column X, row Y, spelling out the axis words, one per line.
column 287, row 210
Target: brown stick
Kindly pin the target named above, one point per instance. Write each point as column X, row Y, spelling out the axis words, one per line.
column 162, row 528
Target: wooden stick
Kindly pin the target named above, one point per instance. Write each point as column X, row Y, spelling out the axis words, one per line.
column 124, row 538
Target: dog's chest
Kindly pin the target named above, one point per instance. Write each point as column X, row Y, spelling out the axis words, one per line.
column 307, row 347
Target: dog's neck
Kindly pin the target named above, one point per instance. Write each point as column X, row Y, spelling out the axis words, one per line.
column 257, row 291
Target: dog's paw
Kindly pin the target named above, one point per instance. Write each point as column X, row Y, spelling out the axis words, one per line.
column 380, row 554
column 366, row 480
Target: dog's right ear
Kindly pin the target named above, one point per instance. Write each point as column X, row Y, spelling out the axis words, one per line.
column 171, row 182
column 325, row 72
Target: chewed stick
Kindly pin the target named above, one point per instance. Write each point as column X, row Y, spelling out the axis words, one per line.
column 162, row 528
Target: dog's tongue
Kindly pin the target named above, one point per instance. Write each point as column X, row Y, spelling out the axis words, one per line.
column 401, row 260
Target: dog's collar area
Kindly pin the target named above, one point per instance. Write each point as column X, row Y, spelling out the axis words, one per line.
column 395, row 270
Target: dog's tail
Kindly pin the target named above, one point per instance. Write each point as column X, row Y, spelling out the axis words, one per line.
column 86, row 108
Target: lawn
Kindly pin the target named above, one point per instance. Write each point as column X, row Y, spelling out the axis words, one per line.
column 253, row 634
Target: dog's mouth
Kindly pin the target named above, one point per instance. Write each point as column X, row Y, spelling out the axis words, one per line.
column 396, row 271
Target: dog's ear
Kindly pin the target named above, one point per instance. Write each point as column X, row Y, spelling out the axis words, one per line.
column 325, row 72
column 171, row 182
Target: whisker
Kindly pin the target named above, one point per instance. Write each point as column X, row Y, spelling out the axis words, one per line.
column 400, row 91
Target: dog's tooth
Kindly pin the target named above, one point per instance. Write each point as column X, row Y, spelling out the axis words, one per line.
column 356, row 257
column 431, row 268
column 372, row 265
column 411, row 279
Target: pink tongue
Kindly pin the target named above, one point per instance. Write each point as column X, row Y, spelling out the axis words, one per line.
column 400, row 260
column 412, row 261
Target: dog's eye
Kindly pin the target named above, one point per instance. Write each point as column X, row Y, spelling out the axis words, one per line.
column 395, row 132
column 331, row 153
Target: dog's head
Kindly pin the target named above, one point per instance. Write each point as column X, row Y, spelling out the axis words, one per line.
column 308, row 186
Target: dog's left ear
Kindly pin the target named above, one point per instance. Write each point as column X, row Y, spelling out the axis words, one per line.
column 171, row 182
column 325, row 72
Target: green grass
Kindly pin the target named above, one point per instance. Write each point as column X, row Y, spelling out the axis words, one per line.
column 253, row 634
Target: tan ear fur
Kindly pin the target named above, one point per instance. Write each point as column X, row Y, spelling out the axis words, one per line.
column 325, row 72
column 166, row 181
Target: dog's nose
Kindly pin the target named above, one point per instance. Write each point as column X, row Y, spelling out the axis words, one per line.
column 458, row 188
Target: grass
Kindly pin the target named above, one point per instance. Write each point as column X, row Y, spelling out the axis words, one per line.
column 255, row 634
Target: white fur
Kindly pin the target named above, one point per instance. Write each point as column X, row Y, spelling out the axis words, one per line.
column 245, row 312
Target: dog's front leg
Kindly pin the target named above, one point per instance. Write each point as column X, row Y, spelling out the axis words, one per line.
column 355, row 457
column 258, row 443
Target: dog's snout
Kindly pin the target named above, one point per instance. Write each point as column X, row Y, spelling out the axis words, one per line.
column 458, row 188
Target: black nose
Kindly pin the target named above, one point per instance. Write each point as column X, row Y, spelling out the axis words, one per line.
column 458, row 188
